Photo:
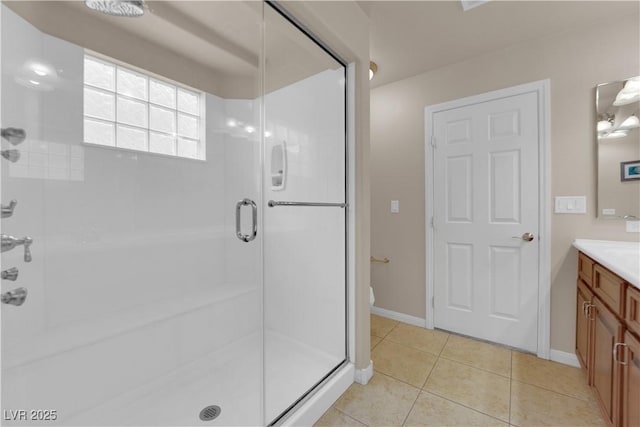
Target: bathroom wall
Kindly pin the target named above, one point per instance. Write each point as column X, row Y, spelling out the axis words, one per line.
column 575, row 61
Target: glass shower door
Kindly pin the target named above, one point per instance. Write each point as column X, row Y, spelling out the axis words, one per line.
column 141, row 135
column 304, row 214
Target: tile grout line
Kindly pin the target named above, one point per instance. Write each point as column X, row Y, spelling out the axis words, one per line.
column 434, row 364
column 398, row 379
column 413, row 348
column 435, row 393
column 477, row 367
column 445, row 344
column 411, row 409
column 349, row 416
column 460, row 403
column 551, row 391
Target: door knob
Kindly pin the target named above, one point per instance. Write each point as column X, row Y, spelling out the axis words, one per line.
column 527, row 237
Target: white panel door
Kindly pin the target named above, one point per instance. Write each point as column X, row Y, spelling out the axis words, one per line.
column 485, row 199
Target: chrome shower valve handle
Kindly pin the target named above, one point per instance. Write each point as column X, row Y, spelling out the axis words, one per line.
column 10, row 242
column 10, row 274
column 27, row 249
column 11, row 155
column 7, row 210
column 14, row 297
column 14, row 135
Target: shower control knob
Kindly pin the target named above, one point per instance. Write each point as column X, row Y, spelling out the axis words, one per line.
column 14, row 297
column 27, row 249
column 11, row 155
column 10, row 274
column 7, row 210
column 10, row 242
column 14, row 135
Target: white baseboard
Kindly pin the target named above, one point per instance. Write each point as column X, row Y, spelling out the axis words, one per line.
column 564, row 358
column 401, row 317
column 364, row 375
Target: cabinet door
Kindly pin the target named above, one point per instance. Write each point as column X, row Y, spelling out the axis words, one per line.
column 607, row 331
column 631, row 381
column 583, row 331
column 632, row 315
column 585, row 268
column 609, row 288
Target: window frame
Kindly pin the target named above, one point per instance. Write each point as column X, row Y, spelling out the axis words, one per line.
column 176, row 111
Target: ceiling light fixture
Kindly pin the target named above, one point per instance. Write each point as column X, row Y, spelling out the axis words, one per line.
column 373, row 69
column 128, row 8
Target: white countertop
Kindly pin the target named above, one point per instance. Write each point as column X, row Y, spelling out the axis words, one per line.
column 623, row 258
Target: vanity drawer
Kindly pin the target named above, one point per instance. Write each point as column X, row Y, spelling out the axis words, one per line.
column 585, row 268
column 609, row 288
column 633, row 309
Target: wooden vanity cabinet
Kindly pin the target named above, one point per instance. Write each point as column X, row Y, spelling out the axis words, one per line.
column 631, row 382
column 583, row 327
column 585, row 268
column 632, row 316
column 608, row 340
column 609, row 288
column 606, row 373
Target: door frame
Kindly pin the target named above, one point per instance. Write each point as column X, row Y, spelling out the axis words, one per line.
column 542, row 89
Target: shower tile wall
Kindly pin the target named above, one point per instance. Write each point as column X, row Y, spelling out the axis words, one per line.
column 304, row 273
column 132, row 267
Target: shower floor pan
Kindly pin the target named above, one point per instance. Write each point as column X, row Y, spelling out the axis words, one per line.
column 230, row 378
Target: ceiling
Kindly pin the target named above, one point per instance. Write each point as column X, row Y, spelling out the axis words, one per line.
column 219, row 43
column 222, row 39
column 412, row 37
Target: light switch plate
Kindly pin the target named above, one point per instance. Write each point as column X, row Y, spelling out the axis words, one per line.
column 633, row 226
column 571, row 204
column 395, row 206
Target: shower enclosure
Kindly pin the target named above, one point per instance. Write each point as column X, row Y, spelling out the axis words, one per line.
column 174, row 214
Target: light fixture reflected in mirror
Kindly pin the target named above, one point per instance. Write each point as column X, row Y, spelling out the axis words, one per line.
column 620, row 133
column 629, row 94
column 605, row 122
column 373, row 69
column 630, row 122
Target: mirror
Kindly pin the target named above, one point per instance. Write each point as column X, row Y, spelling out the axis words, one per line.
column 618, row 142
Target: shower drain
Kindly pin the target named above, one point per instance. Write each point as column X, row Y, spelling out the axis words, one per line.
column 210, row 413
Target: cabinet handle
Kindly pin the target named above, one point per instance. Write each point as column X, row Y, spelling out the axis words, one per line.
column 584, row 308
column 615, row 353
column 590, row 311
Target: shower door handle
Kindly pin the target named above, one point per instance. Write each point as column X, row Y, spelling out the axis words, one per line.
column 254, row 217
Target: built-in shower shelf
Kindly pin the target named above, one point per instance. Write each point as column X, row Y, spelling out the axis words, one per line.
column 86, row 333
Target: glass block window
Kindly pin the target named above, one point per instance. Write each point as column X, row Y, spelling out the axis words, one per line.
column 130, row 109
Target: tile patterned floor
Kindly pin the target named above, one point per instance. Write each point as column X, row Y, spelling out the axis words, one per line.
column 432, row 378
